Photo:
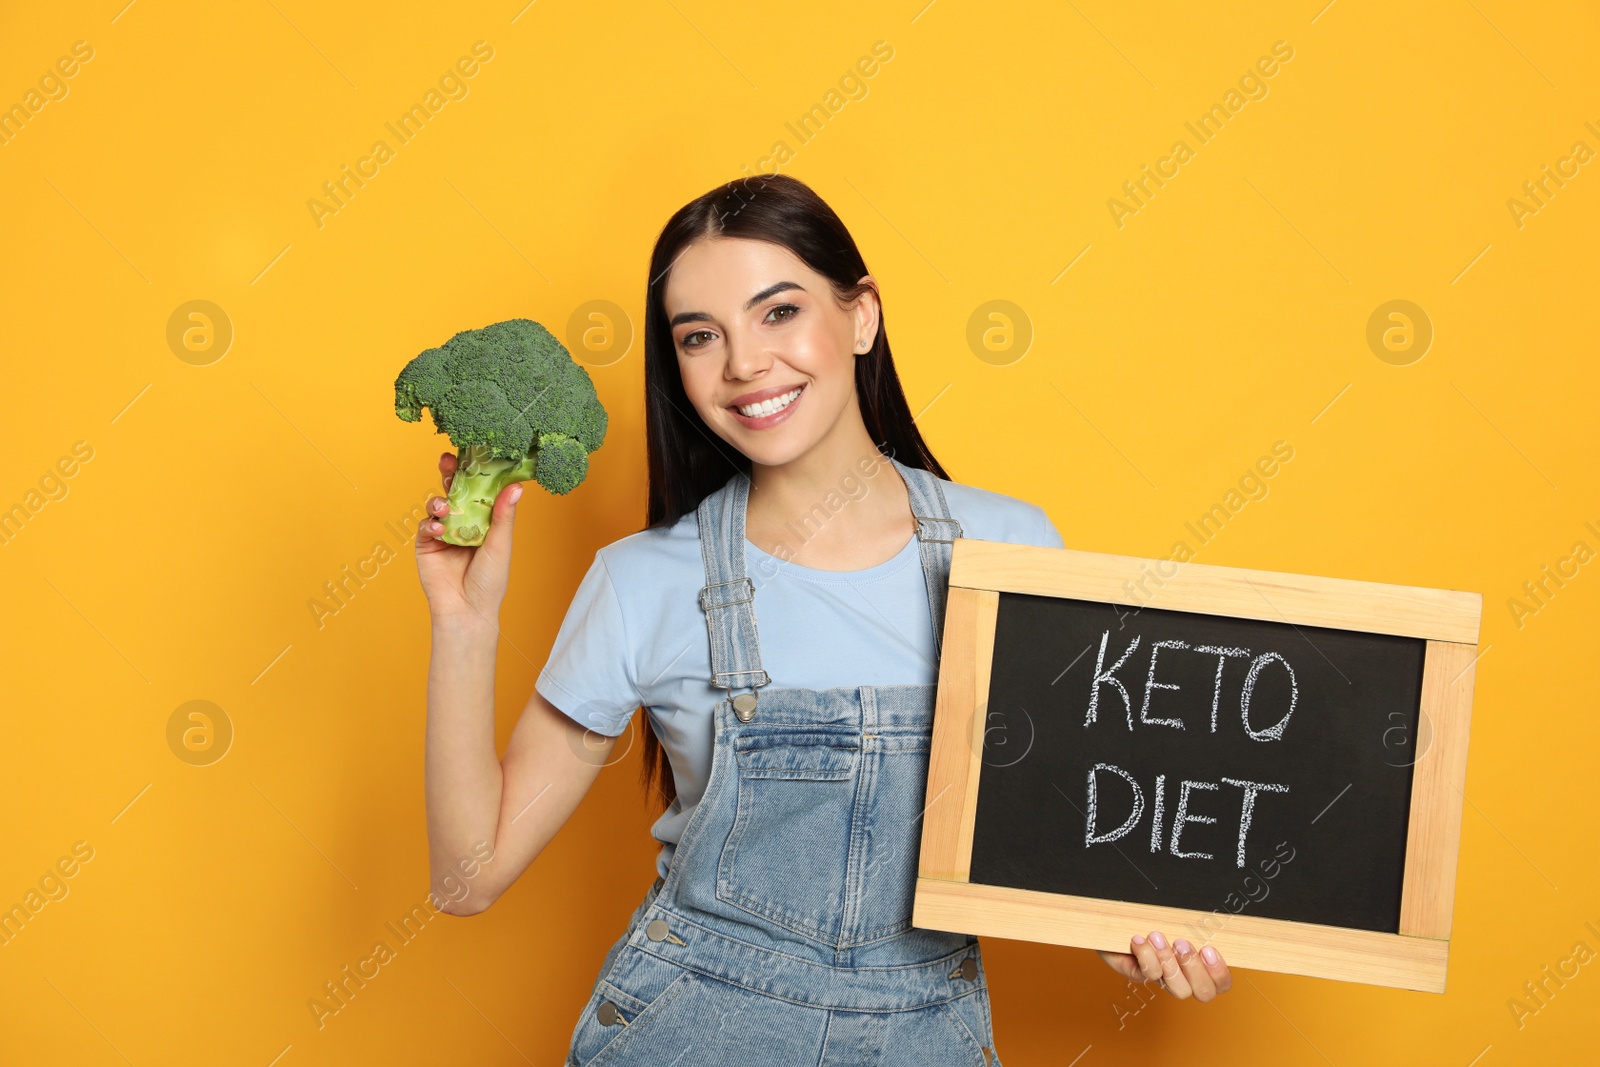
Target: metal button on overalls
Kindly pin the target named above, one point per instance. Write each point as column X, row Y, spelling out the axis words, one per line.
column 656, row 930
column 969, row 968
column 606, row 1013
column 744, row 706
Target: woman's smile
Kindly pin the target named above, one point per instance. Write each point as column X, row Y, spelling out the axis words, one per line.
column 768, row 412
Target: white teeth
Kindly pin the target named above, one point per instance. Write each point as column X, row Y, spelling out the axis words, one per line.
column 767, row 407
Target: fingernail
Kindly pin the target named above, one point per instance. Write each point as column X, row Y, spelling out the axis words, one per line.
column 1138, row 939
column 1210, row 954
column 516, row 493
column 1157, row 940
column 1183, row 947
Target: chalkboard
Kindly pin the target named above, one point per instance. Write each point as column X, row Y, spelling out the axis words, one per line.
column 1207, row 744
column 1267, row 762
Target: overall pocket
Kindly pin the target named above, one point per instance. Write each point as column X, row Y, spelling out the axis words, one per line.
column 967, row 1018
column 787, row 856
column 889, row 831
column 628, row 1002
column 972, row 1013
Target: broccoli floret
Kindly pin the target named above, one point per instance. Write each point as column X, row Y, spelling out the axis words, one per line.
column 424, row 381
column 516, row 407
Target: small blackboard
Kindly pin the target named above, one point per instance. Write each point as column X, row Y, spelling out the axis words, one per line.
column 1202, row 746
column 1265, row 762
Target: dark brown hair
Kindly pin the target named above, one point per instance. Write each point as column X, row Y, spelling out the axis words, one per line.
column 686, row 460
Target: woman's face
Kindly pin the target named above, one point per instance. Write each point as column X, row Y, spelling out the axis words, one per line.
column 751, row 323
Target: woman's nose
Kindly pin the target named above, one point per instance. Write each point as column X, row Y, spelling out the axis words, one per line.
column 746, row 357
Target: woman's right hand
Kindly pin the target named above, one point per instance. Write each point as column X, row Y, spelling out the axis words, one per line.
column 463, row 582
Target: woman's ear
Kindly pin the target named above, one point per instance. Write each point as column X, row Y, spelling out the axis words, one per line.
column 866, row 314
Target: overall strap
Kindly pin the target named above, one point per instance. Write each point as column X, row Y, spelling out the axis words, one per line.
column 728, row 597
column 936, row 529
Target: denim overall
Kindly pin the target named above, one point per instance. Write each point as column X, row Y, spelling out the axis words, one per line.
column 782, row 932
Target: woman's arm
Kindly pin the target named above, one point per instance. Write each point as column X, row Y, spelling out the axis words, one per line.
column 516, row 804
column 488, row 818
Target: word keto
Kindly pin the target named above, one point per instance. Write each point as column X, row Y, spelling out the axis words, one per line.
column 1565, row 568
column 51, row 886
column 341, row 591
column 51, row 486
column 1254, row 88
column 1107, row 676
column 812, row 122
column 1581, row 153
column 1104, row 676
column 1252, row 486
column 1581, row 954
column 411, row 122
column 339, row 992
column 51, row 86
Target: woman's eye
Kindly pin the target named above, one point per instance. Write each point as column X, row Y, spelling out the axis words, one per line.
column 689, row 339
column 784, row 307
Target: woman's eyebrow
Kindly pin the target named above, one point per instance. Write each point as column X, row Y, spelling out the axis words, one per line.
column 771, row 290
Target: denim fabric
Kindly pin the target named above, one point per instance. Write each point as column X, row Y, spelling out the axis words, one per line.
column 785, row 931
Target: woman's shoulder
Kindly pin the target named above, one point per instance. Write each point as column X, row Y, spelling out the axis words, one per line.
column 652, row 554
column 988, row 515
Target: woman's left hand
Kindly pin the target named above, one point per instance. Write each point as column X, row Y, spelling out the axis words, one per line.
column 1182, row 971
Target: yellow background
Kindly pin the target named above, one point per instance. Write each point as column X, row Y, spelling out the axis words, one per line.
column 1229, row 313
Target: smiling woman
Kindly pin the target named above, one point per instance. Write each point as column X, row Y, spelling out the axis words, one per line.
column 792, row 756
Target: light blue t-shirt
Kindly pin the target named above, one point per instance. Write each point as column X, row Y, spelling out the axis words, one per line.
column 635, row 634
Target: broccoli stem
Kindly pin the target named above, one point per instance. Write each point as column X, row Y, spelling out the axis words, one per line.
column 478, row 479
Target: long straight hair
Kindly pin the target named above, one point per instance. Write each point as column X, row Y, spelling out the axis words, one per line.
column 687, row 461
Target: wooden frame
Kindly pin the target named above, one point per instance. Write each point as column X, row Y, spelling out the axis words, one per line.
column 1448, row 620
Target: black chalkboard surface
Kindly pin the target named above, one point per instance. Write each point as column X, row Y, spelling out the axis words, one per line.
column 1168, row 757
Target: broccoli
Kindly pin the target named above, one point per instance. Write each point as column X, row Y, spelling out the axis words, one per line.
column 516, row 407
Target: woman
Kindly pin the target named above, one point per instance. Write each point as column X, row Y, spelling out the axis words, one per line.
column 779, row 442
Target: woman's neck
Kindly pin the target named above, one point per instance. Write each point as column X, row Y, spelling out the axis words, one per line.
column 835, row 508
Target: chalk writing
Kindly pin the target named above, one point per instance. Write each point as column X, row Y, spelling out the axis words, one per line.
column 1107, row 676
